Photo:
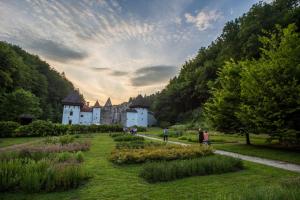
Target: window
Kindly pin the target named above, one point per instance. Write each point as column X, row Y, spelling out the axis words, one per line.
column 81, row 115
column 70, row 121
column 71, row 113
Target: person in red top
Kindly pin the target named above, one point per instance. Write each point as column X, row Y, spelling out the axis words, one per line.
column 205, row 138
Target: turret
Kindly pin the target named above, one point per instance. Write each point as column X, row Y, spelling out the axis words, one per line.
column 72, row 104
column 96, row 113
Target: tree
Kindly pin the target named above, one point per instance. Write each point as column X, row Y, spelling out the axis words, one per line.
column 20, row 102
column 270, row 87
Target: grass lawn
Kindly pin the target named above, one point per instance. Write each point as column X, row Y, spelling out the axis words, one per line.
column 236, row 143
column 4, row 142
column 122, row 182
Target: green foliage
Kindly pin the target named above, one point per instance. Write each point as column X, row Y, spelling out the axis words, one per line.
column 239, row 40
column 43, row 175
column 29, row 85
column 171, row 170
column 20, row 102
column 66, row 139
column 174, row 134
column 79, row 156
column 47, row 128
column 128, row 137
column 270, row 88
column 7, row 128
column 162, row 152
column 220, row 110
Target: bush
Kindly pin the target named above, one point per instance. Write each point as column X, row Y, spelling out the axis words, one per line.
column 167, row 171
column 116, row 134
column 66, row 139
column 44, row 175
column 164, row 124
column 79, row 156
column 167, row 152
column 128, row 138
column 7, row 128
column 47, row 128
column 182, row 138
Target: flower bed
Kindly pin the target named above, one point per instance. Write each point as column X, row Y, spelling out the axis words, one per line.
column 167, row 152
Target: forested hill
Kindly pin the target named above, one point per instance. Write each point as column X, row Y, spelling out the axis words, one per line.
column 184, row 96
column 29, row 85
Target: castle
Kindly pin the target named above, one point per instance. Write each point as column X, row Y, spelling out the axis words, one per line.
column 128, row 114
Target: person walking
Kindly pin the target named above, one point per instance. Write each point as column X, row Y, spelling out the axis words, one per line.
column 205, row 137
column 200, row 135
column 166, row 134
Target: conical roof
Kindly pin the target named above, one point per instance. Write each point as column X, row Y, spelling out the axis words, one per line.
column 73, row 99
column 108, row 103
column 97, row 105
column 139, row 102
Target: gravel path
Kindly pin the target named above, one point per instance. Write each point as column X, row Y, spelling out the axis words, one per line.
column 273, row 163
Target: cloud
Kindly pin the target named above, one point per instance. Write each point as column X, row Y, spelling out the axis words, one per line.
column 100, row 69
column 203, row 20
column 56, row 51
column 153, row 75
column 109, row 71
column 118, row 73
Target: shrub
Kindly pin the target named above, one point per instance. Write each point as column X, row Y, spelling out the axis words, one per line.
column 7, row 128
column 66, row 139
column 44, row 175
column 79, row 156
column 164, row 124
column 128, row 138
column 47, row 128
column 167, row 171
column 116, row 134
column 179, row 127
column 182, row 138
column 64, row 156
column 167, row 152
column 138, row 144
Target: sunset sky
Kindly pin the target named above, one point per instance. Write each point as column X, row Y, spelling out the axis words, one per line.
column 116, row 48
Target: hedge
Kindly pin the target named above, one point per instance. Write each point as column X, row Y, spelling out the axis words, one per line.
column 47, row 128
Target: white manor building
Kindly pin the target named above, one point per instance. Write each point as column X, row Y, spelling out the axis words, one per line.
column 130, row 114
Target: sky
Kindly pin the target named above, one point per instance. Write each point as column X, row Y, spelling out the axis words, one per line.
column 117, row 49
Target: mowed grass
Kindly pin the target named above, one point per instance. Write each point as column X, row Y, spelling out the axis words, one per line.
column 236, row 143
column 122, row 182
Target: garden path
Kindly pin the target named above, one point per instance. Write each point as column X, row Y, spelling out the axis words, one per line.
column 269, row 162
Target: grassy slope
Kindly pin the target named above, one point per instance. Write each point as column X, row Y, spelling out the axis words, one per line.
column 122, row 182
column 236, row 143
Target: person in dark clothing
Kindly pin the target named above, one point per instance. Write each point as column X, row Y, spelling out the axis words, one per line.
column 166, row 134
column 200, row 135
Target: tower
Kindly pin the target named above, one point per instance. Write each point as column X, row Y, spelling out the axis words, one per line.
column 138, row 113
column 71, row 111
column 96, row 113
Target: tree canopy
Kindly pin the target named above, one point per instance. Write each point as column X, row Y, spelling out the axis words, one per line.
column 38, row 81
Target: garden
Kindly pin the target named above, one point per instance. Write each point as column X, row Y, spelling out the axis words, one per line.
column 85, row 166
column 48, row 165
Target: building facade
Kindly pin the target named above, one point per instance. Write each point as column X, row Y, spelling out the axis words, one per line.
column 130, row 114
